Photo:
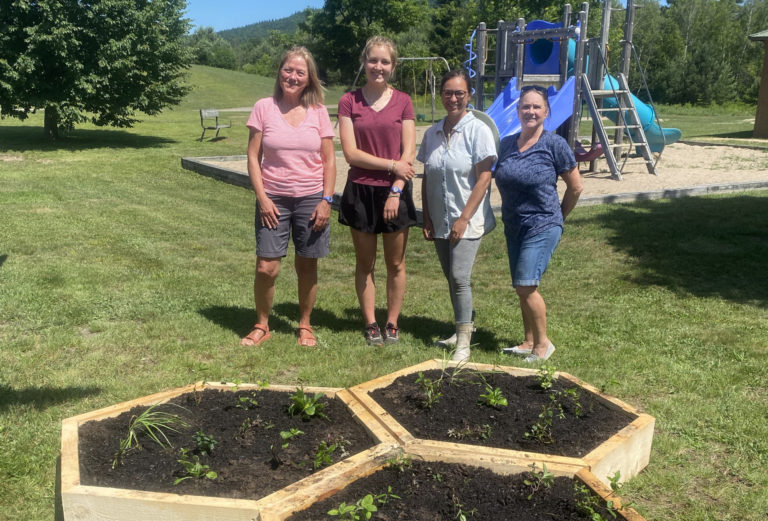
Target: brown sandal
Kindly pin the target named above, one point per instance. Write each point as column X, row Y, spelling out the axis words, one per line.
column 258, row 334
column 306, row 341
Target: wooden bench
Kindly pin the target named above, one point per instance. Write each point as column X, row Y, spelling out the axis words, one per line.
column 209, row 120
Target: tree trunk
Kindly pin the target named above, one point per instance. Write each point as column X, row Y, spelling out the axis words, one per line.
column 51, row 126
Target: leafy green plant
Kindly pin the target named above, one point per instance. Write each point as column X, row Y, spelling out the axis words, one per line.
column 546, row 376
column 461, row 514
column 364, row 507
column 152, row 423
column 431, row 390
column 324, row 454
column 589, row 505
column 539, row 479
column 247, row 402
column 193, row 468
column 575, row 397
column 288, row 435
column 205, row 443
column 493, row 397
column 306, row 406
column 400, row 462
column 542, row 429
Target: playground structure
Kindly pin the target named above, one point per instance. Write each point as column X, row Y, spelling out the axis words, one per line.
column 560, row 55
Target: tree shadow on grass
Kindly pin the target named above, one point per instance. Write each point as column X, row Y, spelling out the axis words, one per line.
column 3, row 258
column 24, row 139
column 42, row 397
column 741, row 134
column 708, row 247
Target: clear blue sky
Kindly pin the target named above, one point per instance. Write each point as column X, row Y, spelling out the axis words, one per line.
column 228, row 14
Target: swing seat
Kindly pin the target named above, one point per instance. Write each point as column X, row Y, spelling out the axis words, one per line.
column 583, row 155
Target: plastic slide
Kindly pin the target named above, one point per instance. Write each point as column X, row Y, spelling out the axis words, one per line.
column 657, row 137
column 503, row 110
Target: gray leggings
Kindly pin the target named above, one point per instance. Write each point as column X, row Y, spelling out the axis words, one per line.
column 457, row 260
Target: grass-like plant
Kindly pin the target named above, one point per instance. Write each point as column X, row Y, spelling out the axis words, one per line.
column 153, row 424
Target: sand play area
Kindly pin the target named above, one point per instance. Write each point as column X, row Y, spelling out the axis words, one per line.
column 683, row 169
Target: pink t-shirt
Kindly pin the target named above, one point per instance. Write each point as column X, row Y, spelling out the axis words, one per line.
column 377, row 133
column 292, row 164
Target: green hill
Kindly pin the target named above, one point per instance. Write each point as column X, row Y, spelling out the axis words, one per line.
column 221, row 88
column 287, row 25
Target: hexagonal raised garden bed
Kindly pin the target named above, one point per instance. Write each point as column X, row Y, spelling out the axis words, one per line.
column 553, row 419
column 92, row 489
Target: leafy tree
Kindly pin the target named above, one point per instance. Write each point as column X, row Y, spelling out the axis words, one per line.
column 211, row 49
column 98, row 60
column 341, row 28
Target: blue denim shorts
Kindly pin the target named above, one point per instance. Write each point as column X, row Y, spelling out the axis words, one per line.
column 528, row 259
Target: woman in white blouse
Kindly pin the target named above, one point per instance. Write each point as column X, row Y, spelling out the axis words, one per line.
column 458, row 153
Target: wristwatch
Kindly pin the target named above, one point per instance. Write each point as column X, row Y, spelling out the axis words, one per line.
column 328, row 199
column 395, row 190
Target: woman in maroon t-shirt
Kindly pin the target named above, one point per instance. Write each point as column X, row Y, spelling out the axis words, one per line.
column 378, row 137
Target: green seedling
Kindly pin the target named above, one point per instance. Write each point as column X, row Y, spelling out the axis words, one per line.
column 537, row 480
column 461, row 514
column 363, row 508
column 247, row 402
column 386, row 497
column 306, row 406
column 573, row 395
column 205, row 443
column 542, row 429
column 287, row 435
column 152, row 423
column 547, row 376
column 480, row 432
column 324, row 454
column 493, row 397
column 193, row 468
column 587, row 503
column 431, row 390
column 400, row 463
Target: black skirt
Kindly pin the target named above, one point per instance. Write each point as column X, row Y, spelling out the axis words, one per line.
column 362, row 208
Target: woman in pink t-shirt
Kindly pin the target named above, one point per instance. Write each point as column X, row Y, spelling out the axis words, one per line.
column 378, row 137
column 292, row 166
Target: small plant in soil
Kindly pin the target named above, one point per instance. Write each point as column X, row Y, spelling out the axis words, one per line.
column 204, row 442
column 542, row 429
column 287, row 435
column 461, row 514
column 493, row 397
column 589, row 505
column 247, row 402
column 363, row 508
column 547, row 376
column 538, row 479
column 193, row 468
column 306, row 406
column 151, row 423
column 400, row 463
column 325, row 451
column 431, row 390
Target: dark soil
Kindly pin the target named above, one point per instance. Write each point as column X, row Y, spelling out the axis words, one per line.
column 436, row 492
column 242, row 457
column 580, row 421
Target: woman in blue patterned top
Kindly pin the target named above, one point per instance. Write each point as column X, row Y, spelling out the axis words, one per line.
column 533, row 215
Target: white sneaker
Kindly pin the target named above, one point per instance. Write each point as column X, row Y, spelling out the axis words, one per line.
column 535, row 358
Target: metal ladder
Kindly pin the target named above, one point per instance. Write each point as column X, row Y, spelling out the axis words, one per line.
column 628, row 123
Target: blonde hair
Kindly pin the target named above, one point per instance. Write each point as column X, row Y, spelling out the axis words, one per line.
column 379, row 41
column 314, row 93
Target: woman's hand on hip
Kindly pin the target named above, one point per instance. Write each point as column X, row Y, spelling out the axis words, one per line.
column 321, row 216
column 269, row 213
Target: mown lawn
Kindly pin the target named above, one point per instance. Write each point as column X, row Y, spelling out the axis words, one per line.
column 121, row 274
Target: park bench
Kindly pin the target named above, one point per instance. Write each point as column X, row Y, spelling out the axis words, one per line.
column 209, row 120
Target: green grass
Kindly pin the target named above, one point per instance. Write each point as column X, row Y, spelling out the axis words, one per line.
column 121, row 274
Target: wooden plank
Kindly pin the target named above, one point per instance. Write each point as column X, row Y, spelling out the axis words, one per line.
column 597, row 486
column 364, row 417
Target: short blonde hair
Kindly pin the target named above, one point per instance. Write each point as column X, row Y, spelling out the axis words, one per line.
column 379, row 41
column 314, row 93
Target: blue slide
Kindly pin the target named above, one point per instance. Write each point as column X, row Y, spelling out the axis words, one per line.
column 541, row 57
column 657, row 137
column 503, row 110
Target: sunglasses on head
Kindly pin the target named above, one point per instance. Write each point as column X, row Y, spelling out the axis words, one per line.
column 537, row 88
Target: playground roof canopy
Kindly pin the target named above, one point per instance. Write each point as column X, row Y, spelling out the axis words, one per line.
column 761, row 36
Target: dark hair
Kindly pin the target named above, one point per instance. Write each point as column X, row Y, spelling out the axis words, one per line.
column 456, row 73
column 536, row 88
